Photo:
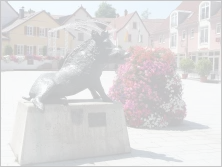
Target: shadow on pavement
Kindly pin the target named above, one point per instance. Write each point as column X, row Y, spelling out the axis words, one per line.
column 185, row 126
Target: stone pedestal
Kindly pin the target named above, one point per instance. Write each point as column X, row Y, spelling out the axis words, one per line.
column 67, row 132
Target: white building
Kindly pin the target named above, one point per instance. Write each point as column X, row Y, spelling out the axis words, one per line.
column 79, row 15
column 130, row 31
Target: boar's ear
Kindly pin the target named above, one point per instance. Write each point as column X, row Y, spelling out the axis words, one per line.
column 95, row 35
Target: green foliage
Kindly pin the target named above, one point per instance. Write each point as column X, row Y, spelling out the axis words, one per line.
column 186, row 65
column 203, row 67
column 44, row 50
column 145, row 14
column 105, row 10
column 31, row 11
column 8, row 50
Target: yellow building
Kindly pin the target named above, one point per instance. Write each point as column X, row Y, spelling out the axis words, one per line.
column 28, row 34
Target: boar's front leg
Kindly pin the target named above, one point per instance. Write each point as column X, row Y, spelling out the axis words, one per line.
column 99, row 88
column 94, row 93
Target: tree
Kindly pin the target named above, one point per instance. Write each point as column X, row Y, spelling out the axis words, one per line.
column 30, row 11
column 105, row 10
column 145, row 14
column 8, row 50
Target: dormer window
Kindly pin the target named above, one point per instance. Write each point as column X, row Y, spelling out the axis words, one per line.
column 204, row 11
column 174, row 20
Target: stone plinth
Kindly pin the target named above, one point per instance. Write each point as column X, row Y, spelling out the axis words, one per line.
column 67, row 132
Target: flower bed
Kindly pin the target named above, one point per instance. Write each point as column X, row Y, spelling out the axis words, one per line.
column 21, row 58
column 149, row 89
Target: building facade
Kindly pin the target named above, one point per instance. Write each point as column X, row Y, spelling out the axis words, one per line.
column 130, row 31
column 28, row 34
column 193, row 30
column 79, row 15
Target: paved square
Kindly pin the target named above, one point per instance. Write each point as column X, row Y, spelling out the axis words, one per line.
column 197, row 141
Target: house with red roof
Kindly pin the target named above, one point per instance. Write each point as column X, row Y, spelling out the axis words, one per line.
column 130, row 31
column 193, row 30
column 79, row 15
column 152, row 25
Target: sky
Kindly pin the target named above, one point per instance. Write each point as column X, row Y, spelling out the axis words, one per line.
column 158, row 9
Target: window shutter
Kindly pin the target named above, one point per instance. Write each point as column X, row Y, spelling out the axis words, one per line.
column 37, row 31
column 34, row 50
column 15, row 49
column 25, row 50
column 58, row 32
column 25, row 30
column 46, row 32
column 34, row 31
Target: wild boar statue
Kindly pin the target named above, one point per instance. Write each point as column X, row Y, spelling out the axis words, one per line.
column 80, row 70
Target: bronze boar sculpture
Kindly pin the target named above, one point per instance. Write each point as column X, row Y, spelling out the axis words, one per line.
column 80, row 70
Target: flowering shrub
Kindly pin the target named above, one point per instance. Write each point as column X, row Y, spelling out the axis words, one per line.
column 149, row 89
column 21, row 58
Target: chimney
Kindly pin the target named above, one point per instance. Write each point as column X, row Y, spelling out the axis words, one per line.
column 21, row 13
column 117, row 15
column 125, row 12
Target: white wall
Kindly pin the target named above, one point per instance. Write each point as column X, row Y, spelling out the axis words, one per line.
column 134, row 34
column 82, row 15
column 23, row 65
column 7, row 13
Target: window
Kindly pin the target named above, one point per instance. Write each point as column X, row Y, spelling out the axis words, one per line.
column 20, row 50
column 29, row 30
column 204, row 9
column 160, row 39
column 174, row 20
column 80, row 37
column 163, row 39
column 173, row 40
column 42, row 32
column 40, row 50
column 29, row 50
column 218, row 28
column 183, row 35
column 192, row 33
column 140, row 38
column 134, row 25
column 204, row 35
column 61, row 51
column 129, row 38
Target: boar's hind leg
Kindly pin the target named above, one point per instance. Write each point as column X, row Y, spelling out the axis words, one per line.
column 99, row 88
column 44, row 93
column 94, row 93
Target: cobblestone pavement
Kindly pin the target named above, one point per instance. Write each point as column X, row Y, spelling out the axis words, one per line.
column 197, row 141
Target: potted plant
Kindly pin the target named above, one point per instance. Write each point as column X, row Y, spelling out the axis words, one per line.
column 186, row 66
column 203, row 68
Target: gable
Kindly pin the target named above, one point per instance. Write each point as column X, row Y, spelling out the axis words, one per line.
column 79, row 14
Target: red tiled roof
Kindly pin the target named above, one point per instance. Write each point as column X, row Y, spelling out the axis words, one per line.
column 19, row 22
column 192, row 6
column 119, row 22
column 152, row 24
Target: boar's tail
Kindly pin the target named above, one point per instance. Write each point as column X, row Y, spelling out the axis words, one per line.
column 27, row 98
